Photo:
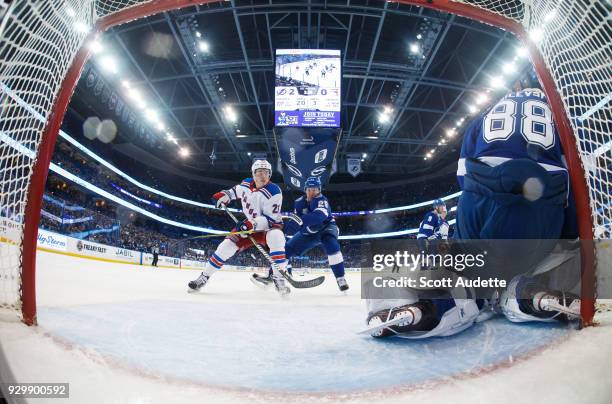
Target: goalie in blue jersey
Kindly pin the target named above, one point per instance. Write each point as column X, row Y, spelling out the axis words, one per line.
column 319, row 228
column 515, row 186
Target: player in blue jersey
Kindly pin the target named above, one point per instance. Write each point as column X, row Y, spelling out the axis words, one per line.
column 430, row 226
column 319, row 228
column 516, row 186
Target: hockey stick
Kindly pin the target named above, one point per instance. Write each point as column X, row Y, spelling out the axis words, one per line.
column 296, row 284
column 295, row 218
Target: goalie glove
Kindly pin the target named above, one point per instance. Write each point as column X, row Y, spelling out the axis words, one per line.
column 221, row 198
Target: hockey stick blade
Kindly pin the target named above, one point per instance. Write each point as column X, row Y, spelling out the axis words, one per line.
column 382, row 326
column 311, row 283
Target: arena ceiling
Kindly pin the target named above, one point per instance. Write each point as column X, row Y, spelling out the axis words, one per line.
column 190, row 64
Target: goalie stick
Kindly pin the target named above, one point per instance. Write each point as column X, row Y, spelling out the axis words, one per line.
column 311, row 283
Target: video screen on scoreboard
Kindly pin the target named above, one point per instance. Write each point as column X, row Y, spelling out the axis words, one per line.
column 307, row 87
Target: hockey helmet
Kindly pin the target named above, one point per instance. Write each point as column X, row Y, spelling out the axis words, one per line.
column 257, row 164
column 312, row 182
column 437, row 203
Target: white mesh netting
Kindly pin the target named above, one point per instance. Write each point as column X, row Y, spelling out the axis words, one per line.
column 39, row 40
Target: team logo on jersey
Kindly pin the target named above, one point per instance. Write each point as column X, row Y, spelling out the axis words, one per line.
column 318, row 171
column 294, row 170
column 295, row 182
column 320, row 156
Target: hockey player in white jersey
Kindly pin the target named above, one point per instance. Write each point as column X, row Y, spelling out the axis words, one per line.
column 261, row 204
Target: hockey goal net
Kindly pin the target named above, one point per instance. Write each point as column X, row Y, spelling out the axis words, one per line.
column 42, row 53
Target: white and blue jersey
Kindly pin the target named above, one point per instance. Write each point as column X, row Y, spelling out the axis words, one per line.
column 519, row 126
column 429, row 226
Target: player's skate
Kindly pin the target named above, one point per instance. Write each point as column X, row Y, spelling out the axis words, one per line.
column 197, row 284
column 342, row 284
column 261, row 281
column 280, row 285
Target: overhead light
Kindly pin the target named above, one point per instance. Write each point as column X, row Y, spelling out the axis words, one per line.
column 497, row 82
column 388, row 110
column 109, row 64
column 134, row 94
column 151, row 115
column 419, row 36
column 371, row 137
column 362, row 160
column 70, row 12
column 536, row 35
column 459, row 122
column 125, row 83
column 249, row 154
column 184, row 152
column 482, row 98
column 439, row 143
column 241, row 136
column 472, row 109
column 424, row 158
column 81, row 27
column 443, row 141
column 174, row 141
column 509, row 68
column 522, row 52
column 230, row 114
column 551, row 14
column 95, row 46
column 414, row 48
column 160, row 126
column 198, row 34
column 364, row 155
column 450, row 133
column 383, row 118
column 203, row 46
column 169, row 137
column 376, row 131
column 432, row 151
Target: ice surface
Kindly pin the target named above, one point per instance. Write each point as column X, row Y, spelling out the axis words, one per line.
column 136, row 334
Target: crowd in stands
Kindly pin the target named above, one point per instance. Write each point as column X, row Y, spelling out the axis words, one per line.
column 73, row 210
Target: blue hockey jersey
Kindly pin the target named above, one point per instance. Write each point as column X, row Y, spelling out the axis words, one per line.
column 430, row 225
column 315, row 214
column 519, row 126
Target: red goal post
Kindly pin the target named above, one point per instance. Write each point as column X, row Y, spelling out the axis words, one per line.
column 42, row 50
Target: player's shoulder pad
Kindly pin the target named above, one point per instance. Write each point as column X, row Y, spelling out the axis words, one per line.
column 270, row 189
column 246, row 182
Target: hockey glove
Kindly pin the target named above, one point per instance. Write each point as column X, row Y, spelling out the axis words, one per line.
column 221, row 198
column 245, row 225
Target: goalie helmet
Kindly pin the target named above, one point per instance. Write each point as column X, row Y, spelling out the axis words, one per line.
column 257, row 164
column 312, row 182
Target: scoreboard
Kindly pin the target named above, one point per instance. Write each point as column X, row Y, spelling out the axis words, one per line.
column 307, row 88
